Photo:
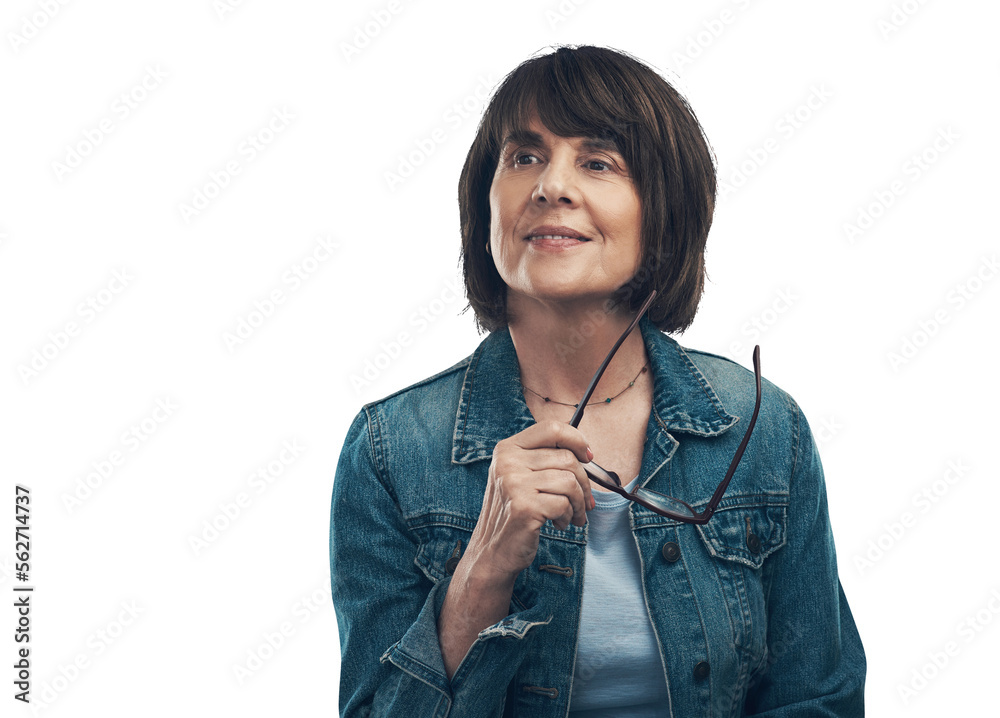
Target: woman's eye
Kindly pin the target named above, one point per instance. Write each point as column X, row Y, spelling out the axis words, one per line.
column 603, row 165
column 521, row 156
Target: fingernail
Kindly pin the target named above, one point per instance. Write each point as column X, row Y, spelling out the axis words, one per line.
column 590, row 454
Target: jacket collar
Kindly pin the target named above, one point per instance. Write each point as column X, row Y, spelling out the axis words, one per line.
column 492, row 405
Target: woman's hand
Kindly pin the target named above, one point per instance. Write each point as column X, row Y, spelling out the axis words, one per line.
column 536, row 476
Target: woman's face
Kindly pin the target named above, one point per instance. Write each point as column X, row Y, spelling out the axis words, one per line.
column 565, row 217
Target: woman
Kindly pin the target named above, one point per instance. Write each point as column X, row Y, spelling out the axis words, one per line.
column 477, row 568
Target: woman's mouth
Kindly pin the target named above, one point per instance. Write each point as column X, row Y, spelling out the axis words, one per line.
column 555, row 241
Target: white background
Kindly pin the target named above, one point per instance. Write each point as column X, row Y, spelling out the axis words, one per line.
column 885, row 80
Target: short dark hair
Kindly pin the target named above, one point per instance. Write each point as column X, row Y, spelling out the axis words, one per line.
column 588, row 91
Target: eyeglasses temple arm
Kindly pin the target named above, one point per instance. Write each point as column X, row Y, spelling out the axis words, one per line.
column 717, row 496
column 578, row 414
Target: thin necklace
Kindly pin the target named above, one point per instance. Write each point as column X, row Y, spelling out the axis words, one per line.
column 605, row 401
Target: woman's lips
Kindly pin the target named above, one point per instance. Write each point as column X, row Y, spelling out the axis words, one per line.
column 555, row 242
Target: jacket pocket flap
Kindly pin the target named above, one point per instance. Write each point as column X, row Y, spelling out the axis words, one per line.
column 745, row 534
column 440, row 549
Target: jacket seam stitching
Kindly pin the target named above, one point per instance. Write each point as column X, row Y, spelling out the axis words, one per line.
column 375, row 437
column 796, row 437
column 709, row 392
column 411, row 661
column 696, row 600
column 470, row 376
column 457, row 366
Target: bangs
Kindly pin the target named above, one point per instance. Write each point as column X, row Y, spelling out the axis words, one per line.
column 572, row 96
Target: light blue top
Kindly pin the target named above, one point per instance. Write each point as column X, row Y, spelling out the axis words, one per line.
column 618, row 669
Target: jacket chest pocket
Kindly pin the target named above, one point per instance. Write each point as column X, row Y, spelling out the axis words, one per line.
column 442, row 544
column 441, row 547
column 739, row 540
column 745, row 534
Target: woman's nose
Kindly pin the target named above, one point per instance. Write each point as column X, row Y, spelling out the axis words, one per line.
column 556, row 185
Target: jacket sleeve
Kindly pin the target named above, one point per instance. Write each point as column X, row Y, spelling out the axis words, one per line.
column 387, row 608
column 816, row 663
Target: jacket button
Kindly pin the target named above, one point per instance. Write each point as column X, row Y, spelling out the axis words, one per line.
column 753, row 543
column 701, row 670
column 671, row 551
column 451, row 564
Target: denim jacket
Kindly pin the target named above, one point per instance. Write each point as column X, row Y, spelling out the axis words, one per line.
column 748, row 609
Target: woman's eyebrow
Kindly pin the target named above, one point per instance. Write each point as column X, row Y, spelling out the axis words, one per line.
column 527, row 137
column 600, row 143
column 521, row 137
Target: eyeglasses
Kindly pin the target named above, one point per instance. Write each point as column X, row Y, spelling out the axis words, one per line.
column 654, row 501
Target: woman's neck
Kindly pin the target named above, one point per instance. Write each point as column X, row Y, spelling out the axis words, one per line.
column 559, row 349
